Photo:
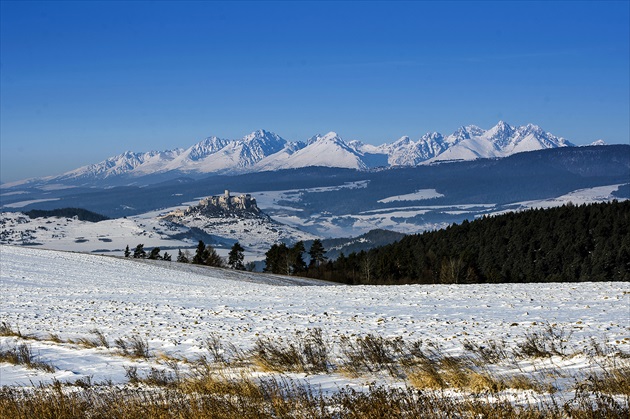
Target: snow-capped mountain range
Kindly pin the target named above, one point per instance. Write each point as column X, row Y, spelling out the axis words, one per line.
column 265, row 151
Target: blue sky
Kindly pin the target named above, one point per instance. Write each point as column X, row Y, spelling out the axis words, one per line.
column 82, row 81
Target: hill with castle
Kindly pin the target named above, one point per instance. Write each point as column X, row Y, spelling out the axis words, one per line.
column 223, row 206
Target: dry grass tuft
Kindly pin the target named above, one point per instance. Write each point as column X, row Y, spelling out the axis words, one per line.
column 552, row 340
column 135, row 347
column 7, row 330
column 53, row 337
column 22, row 354
column 305, row 352
column 614, row 380
column 372, row 354
column 223, row 384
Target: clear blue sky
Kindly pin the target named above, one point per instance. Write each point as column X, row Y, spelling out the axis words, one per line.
column 82, row 81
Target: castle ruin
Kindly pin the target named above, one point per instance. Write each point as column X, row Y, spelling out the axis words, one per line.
column 223, row 206
column 227, row 202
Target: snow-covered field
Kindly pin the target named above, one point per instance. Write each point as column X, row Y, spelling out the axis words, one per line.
column 151, row 229
column 176, row 307
column 577, row 197
column 415, row 196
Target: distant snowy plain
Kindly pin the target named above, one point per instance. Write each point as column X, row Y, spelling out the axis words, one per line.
column 176, row 307
column 289, row 222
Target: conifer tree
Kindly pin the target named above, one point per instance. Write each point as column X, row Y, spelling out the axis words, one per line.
column 212, row 258
column 296, row 258
column 277, row 259
column 155, row 253
column 139, row 252
column 316, row 253
column 198, row 259
column 235, row 257
column 127, row 251
column 182, row 257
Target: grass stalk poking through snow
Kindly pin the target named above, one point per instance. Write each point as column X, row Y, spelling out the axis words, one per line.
column 22, row 354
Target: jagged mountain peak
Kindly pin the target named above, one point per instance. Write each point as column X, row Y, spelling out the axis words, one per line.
column 402, row 141
column 464, row 133
column 263, row 136
column 330, row 136
column 356, row 144
column 531, row 127
column 206, row 147
column 501, row 129
column 265, row 150
column 431, row 136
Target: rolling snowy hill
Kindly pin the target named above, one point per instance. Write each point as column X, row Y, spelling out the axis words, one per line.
column 57, row 300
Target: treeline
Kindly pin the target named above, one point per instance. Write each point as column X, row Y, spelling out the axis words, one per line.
column 140, row 253
column 80, row 213
column 565, row 244
column 204, row 255
column 285, row 260
column 568, row 244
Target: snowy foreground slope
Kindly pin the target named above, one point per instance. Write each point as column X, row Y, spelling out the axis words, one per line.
column 177, row 307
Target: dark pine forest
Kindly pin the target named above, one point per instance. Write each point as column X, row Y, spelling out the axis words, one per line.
column 569, row 244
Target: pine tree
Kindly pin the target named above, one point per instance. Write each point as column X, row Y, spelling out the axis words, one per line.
column 316, row 253
column 166, row 257
column 182, row 257
column 155, row 253
column 212, row 258
column 198, row 259
column 127, row 251
column 235, row 257
column 277, row 259
column 139, row 252
column 296, row 258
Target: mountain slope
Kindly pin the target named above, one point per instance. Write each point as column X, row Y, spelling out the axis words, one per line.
column 266, row 151
column 470, row 143
column 328, row 150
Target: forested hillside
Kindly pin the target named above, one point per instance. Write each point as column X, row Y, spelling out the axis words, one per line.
column 569, row 243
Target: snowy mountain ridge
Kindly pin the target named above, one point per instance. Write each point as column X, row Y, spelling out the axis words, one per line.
column 266, row 151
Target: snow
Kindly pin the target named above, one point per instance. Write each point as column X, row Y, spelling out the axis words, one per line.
column 13, row 193
column 415, row 196
column 106, row 236
column 177, row 306
column 288, row 223
column 269, row 199
column 21, row 204
column 151, row 229
column 577, row 197
column 255, row 234
column 502, row 140
column 266, row 151
column 329, row 150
